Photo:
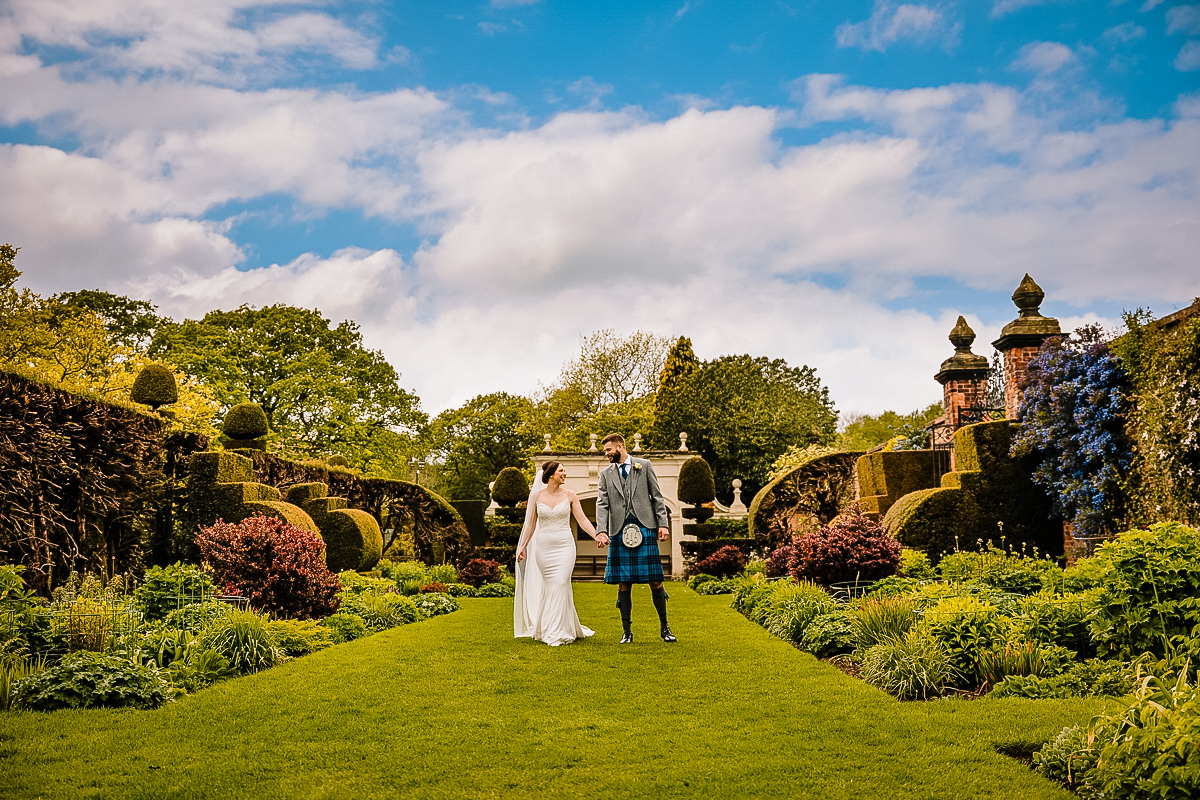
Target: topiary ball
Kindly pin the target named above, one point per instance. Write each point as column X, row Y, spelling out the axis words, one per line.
column 245, row 421
column 696, row 482
column 337, row 461
column 510, row 487
column 154, row 386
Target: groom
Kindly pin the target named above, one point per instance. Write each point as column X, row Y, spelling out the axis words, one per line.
column 630, row 505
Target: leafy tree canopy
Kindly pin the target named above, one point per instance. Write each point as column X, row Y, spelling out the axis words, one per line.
column 476, row 441
column 322, row 390
column 864, row 431
column 741, row 413
column 130, row 323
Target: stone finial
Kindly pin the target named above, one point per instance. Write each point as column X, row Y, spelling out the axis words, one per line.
column 683, row 443
column 963, row 365
column 592, row 440
column 547, row 448
column 1028, row 297
column 737, row 506
column 1029, row 329
column 637, row 443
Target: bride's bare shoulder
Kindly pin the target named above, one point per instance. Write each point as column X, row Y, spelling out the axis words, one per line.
column 572, row 496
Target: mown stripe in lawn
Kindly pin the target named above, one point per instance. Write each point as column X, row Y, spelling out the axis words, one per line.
column 454, row 707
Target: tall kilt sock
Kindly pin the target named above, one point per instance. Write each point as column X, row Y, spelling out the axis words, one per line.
column 660, row 605
column 625, row 604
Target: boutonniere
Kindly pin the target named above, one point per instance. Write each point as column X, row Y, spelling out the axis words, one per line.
column 637, row 467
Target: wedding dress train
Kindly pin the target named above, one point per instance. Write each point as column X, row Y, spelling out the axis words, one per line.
column 544, row 605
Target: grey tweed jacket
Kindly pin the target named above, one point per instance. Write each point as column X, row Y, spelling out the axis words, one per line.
column 638, row 496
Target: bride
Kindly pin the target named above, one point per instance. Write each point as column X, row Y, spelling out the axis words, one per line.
column 544, row 606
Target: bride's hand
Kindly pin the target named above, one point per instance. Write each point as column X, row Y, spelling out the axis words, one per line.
column 521, row 556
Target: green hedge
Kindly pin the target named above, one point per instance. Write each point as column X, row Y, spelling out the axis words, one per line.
column 806, row 497
column 933, row 521
column 885, row 477
column 353, row 540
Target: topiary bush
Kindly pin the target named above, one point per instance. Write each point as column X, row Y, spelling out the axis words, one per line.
column 154, row 386
column 933, row 521
column 851, row 547
column 1148, row 602
column 479, row 571
column 277, row 566
column 337, row 461
column 165, row 589
column 726, row 562
column 245, row 421
column 352, row 539
column 696, row 484
column 510, row 487
column 92, row 680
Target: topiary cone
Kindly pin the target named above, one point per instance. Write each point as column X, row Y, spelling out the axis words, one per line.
column 696, row 484
column 245, row 421
column 154, row 386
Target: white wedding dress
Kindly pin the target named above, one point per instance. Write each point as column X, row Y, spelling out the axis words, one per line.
column 544, row 605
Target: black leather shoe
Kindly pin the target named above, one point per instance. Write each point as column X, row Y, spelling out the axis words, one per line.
column 668, row 637
column 627, row 638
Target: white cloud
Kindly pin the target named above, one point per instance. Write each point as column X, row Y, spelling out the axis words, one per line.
column 1188, row 59
column 491, row 28
column 1150, row 5
column 890, row 23
column 201, row 41
column 1125, row 32
column 1184, row 19
column 1043, row 58
column 1002, row 7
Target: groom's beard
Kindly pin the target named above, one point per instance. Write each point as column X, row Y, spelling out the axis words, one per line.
column 615, row 458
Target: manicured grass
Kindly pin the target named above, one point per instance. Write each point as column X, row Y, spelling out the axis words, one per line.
column 454, row 707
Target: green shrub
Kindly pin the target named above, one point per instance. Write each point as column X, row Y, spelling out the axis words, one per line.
column 791, row 606
column 14, row 668
column 433, row 604
column 1092, row 678
column 715, row 587
column 913, row 667
column 991, row 566
column 337, row 461
column 510, row 487
column 157, row 647
column 881, row 619
column 92, row 680
column 197, row 616
column 168, row 588
column 966, row 626
column 245, row 421
column 245, row 639
column 345, row 627
column 829, row 634
column 397, row 571
column 1051, row 618
column 1148, row 602
column 748, row 592
column 1084, row 574
column 696, row 484
column 700, row 579
column 380, row 610
column 1019, row 659
column 442, row 573
column 154, row 386
column 915, row 564
column 460, row 590
column 353, row 582
column 1069, row 759
column 495, row 590
column 199, row 669
column 299, row 637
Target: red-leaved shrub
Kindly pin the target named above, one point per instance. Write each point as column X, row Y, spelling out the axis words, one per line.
column 851, row 547
column 434, row 587
column 279, row 567
column 724, row 563
column 779, row 563
column 479, row 571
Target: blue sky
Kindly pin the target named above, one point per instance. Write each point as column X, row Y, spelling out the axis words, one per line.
column 480, row 184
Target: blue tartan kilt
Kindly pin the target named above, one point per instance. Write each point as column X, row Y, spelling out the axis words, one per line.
column 641, row 564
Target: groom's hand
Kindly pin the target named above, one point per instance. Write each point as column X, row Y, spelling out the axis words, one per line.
column 601, row 540
column 663, row 534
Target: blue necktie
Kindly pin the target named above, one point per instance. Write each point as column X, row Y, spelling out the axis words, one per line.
column 625, row 471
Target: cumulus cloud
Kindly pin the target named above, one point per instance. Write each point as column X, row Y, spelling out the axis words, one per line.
column 219, row 41
column 1184, row 19
column 1043, row 58
column 1188, row 59
column 1125, row 32
column 890, row 23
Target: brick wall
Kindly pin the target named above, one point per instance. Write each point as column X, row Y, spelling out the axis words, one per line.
column 1016, row 361
column 959, row 393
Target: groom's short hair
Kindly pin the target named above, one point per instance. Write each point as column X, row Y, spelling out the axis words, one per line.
column 613, row 437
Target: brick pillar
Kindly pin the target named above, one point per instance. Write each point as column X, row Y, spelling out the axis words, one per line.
column 963, row 376
column 1020, row 339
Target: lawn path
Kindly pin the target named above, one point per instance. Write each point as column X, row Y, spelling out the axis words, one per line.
column 455, row 707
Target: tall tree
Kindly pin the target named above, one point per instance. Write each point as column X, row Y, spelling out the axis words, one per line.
column 741, row 413
column 680, row 364
column 131, row 323
column 474, row 442
column 322, row 390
